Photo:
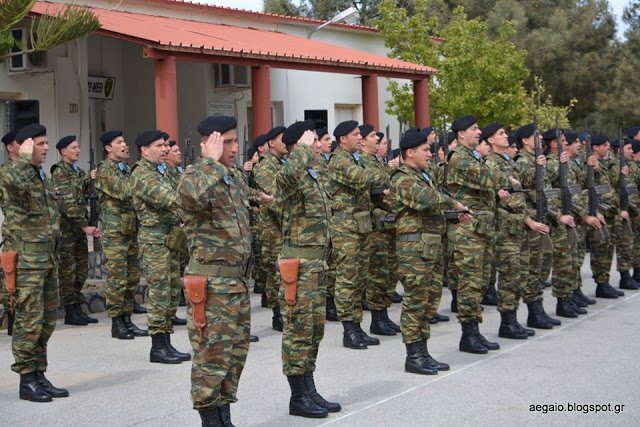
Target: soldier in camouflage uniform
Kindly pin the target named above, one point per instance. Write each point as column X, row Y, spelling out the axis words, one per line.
column 212, row 205
column 160, row 238
column 119, row 235
column 349, row 187
column 12, row 147
column 32, row 224
column 72, row 188
column 472, row 183
column 270, row 218
column 421, row 225
column 377, row 288
column 305, row 232
column 634, row 178
column 260, row 271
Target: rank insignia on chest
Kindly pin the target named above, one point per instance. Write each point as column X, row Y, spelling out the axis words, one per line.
column 160, row 169
column 313, row 174
column 506, row 156
column 226, row 180
column 426, row 176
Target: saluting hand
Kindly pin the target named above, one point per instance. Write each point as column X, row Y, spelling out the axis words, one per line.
column 307, row 138
column 212, row 148
column 27, row 146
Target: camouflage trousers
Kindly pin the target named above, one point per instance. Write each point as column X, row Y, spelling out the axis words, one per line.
column 304, row 322
column 377, row 288
column 271, row 245
column 449, row 265
column 73, row 255
column 546, row 262
column 472, row 257
column 507, row 260
column 530, row 264
column 162, row 270
column 352, row 272
column 120, row 258
column 422, row 291
column 330, row 274
column 182, row 258
column 219, row 359
column 624, row 246
column 636, row 243
column 601, row 255
column 5, row 299
column 394, row 274
column 36, row 309
column 566, row 265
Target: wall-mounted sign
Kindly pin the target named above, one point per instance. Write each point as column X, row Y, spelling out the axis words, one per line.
column 221, row 109
column 101, row 87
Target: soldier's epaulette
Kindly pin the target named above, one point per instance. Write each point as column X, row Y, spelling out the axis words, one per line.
column 99, row 164
column 190, row 169
column 134, row 166
column 397, row 171
column 53, row 168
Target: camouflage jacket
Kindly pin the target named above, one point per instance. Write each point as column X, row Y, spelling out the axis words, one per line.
column 322, row 169
column 608, row 172
column 33, row 221
column 7, row 209
column 513, row 210
column 372, row 161
column 173, row 174
column 526, row 167
column 154, row 200
column 574, row 177
column 418, row 203
column 349, row 186
column 113, row 185
column 72, row 187
column 305, row 202
column 265, row 173
column 212, row 206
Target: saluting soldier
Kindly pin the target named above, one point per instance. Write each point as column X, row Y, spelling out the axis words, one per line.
column 119, row 235
column 33, row 227
column 160, row 238
column 72, row 188
column 12, row 147
column 211, row 200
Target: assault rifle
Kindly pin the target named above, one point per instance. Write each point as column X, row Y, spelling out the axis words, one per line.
column 517, row 190
column 566, row 191
column 388, row 158
column 245, row 148
column 625, row 189
column 93, row 200
column 189, row 155
column 445, row 150
column 453, row 214
column 595, row 191
column 542, row 195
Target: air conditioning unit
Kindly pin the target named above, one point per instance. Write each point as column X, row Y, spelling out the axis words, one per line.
column 227, row 75
column 34, row 61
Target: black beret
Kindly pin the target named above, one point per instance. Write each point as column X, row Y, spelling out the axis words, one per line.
column 10, row 137
column 413, row 129
column 524, row 131
column 615, row 143
column 260, row 140
column 171, row 143
column 635, row 144
column 427, row 130
column 293, row 133
column 274, row 132
column 450, row 137
column 30, row 131
column 365, row 129
column 165, row 136
column 344, row 128
column 571, row 137
column 65, row 141
column 633, row 131
column 463, row 123
column 148, row 136
column 413, row 139
column 109, row 136
column 598, row 139
column 626, row 141
column 380, row 135
column 490, row 129
column 513, row 140
column 250, row 152
column 213, row 124
column 321, row 132
column 550, row 135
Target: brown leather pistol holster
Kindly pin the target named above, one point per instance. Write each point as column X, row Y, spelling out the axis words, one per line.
column 9, row 265
column 196, row 289
column 289, row 272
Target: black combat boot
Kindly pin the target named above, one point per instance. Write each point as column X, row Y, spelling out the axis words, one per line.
column 363, row 302
column 72, row 317
column 433, row 321
column 488, row 344
column 535, row 318
column 300, row 402
column 416, row 363
column 138, row 309
column 564, row 308
column 210, row 417
column 183, row 300
column 605, row 290
column 119, row 330
column 552, row 320
column 277, row 324
column 160, row 353
column 363, row 335
column 264, row 301
column 636, row 274
column 331, row 312
column 83, row 315
column 578, row 292
column 577, row 301
column 575, row 307
column 491, row 296
column 49, row 388
column 378, row 324
column 529, row 332
column 627, row 282
column 31, row 389
column 182, row 356
column 469, row 342
column 454, row 301
column 508, row 328
column 315, row 396
column 225, row 415
column 431, row 361
column 441, row 317
column 396, row 297
column 254, row 338
column 135, row 331
column 390, row 322
column 257, row 289
column 178, row 321
column 351, row 338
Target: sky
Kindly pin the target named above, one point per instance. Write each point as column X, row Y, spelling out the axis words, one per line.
column 616, row 5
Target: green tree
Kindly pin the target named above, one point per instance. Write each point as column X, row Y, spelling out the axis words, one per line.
column 71, row 23
column 284, row 7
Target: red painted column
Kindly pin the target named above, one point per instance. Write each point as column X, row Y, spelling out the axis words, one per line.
column 370, row 112
column 421, row 102
column 260, row 99
column 166, row 96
